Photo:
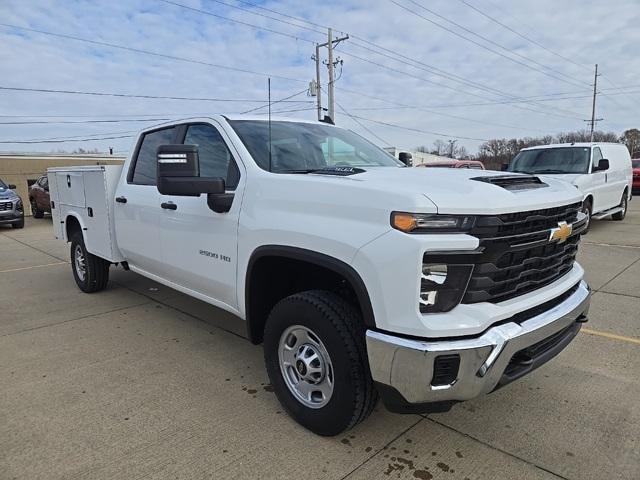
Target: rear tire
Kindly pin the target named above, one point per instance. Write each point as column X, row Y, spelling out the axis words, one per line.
column 19, row 223
column 624, row 203
column 319, row 325
column 586, row 209
column 90, row 272
column 37, row 213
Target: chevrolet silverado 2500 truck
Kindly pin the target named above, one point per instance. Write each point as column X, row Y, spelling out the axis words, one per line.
column 361, row 277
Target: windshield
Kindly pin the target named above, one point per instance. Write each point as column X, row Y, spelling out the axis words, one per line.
column 552, row 160
column 635, row 163
column 308, row 146
column 3, row 186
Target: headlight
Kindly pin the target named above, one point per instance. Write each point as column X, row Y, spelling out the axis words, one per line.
column 19, row 204
column 431, row 223
column 442, row 286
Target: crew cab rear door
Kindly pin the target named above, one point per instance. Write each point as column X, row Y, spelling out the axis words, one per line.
column 199, row 245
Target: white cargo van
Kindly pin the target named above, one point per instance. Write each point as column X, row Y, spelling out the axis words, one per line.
column 601, row 171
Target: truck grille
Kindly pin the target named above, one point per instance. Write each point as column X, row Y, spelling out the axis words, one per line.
column 516, row 255
column 4, row 206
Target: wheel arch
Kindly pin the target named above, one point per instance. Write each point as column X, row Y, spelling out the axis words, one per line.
column 73, row 223
column 257, row 307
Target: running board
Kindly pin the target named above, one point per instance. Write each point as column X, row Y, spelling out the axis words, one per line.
column 601, row 215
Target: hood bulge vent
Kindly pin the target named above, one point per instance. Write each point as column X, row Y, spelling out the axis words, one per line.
column 513, row 182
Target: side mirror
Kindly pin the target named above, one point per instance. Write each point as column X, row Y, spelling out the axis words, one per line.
column 179, row 172
column 603, row 164
column 504, row 167
column 405, row 157
column 11, row 186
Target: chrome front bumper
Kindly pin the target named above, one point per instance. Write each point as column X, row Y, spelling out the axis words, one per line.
column 407, row 365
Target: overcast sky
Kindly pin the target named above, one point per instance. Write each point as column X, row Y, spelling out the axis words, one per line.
column 563, row 41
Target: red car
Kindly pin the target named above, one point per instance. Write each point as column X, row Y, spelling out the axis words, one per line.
column 39, row 197
column 635, row 164
column 454, row 164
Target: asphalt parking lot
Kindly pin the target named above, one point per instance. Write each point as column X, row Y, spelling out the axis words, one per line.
column 140, row 381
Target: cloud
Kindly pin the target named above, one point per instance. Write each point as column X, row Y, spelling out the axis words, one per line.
column 587, row 32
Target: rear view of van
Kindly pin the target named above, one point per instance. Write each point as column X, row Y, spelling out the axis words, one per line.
column 601, row 171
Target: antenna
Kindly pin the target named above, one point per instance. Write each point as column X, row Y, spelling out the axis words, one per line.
column 269, row 93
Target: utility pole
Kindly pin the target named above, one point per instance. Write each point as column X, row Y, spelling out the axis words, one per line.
column 593, row 104
column 331, row 63
column 452, row 144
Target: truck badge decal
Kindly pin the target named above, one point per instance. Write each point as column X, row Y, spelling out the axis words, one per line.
column 561, row 233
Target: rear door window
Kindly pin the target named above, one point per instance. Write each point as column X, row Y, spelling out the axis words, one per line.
column 145, row 167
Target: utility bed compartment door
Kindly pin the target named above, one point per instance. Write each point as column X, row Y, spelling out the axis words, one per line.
column 70, row 186
column 97, row 219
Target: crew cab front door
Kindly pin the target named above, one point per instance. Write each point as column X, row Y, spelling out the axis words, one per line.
column 199, row 246
column 137, row 205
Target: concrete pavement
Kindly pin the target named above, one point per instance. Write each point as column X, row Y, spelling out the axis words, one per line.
column 140, row 381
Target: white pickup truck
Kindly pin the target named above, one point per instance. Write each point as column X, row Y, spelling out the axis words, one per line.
column 362, row 277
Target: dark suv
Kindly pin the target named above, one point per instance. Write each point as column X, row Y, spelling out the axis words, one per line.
column 11, row 210
column 39, row 197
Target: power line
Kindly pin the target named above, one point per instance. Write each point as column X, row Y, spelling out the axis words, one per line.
column 148, row 52
column 487, row 40
column 277, row 101
column 371, row 132
column 211, row 14
column 521, row 35
column 129, row 95
column 418, row 130
column 65, row 141
column 85, row 121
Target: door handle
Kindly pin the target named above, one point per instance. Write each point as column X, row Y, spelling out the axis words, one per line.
column 121, row 199
column 169, row 206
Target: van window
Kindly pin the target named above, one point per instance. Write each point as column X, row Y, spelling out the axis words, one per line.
column 597, row 156
column 145, row 166
column 215, row 158
column 552, row 160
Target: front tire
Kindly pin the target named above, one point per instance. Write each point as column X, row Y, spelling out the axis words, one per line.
column 37, row 213
column 90, row 272
column 19, row 223
column 624, row 203
column 316, row 360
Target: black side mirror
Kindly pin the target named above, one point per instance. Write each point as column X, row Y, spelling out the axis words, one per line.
column 406, row 158
column 11, row 186
column 603, row 164
column 179, row 172
column 504, row 167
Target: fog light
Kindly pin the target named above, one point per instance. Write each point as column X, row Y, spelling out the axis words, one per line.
column 442, row 286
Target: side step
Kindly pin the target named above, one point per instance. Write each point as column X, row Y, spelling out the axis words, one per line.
column 606, row 213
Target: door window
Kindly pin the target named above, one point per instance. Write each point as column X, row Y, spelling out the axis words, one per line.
column 145, row 167
column 597, row 155
column 215, row 158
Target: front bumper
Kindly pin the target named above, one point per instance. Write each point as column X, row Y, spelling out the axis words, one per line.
column 404, row 368
column 11, row 216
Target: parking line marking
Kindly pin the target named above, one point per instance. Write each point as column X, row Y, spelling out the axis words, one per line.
column 34, row 266
column 610, row 245
column 612, row 336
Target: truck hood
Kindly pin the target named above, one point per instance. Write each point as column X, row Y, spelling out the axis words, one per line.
column 458, row 191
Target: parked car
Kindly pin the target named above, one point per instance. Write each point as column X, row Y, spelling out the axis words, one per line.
column 635, row 164
column 11, row 208
column 39, row 197
column 601, row 171
column 454, row 164
column 360, row 276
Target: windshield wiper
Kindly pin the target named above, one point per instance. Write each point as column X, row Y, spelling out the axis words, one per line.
column 340, row 171
column 549, row 170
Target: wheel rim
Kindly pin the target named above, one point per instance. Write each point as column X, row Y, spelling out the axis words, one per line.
column 34, row 206
column 80, row 263
column 587, row 212
column 306, row 366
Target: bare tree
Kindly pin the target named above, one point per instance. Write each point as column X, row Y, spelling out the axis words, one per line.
column 631, row 138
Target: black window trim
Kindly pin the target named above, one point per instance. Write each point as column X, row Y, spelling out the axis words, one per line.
column 134, row 158
column 181, row 135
